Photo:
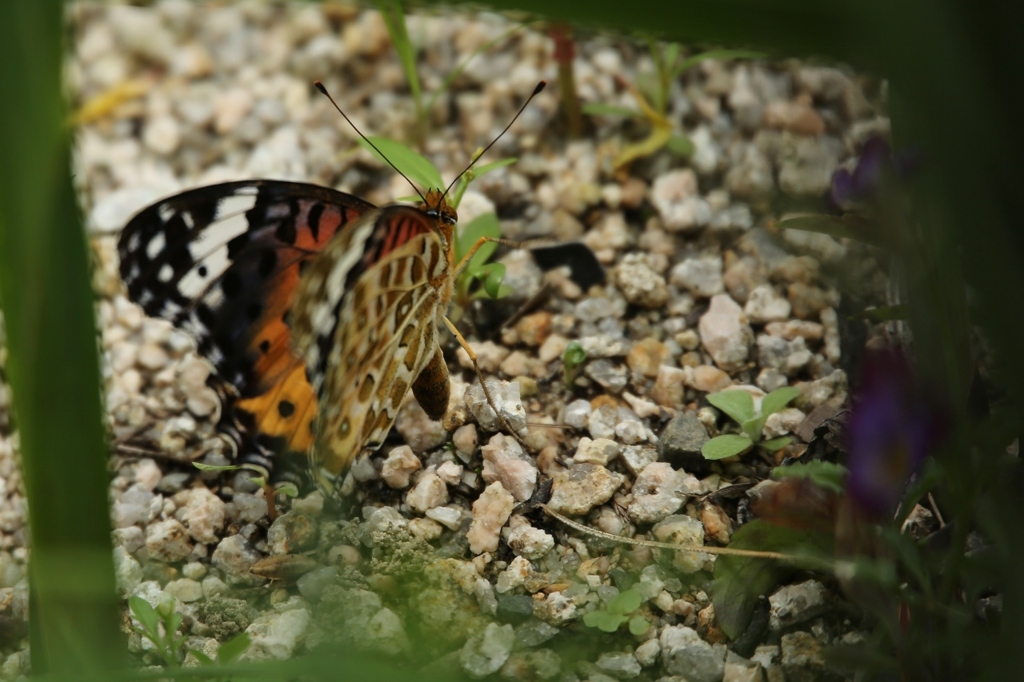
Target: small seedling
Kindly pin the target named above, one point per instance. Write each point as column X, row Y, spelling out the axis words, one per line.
column 270, row 492
column 394, row 18
column 573, row 360
column 159, row 626
column 651, row 93
column 617, row 611
column 740, row 406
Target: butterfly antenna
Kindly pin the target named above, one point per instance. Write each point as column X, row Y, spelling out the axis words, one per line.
column 323, row 91
column 536, row 90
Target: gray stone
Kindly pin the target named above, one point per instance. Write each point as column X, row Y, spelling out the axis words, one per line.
column 612, row 376
column 505, row 462
column 675, row 196
column 725, row 333
column 602, row 421
column 700, row 276
column 312, row 584
column 765, row 305
column 684, row 653
column 687, row 532
column 534, row 633
column 275, row 635
column 235, row 556
column 659, row 491
column 168, row 541
column 647, row 653
column 577, row 413
column 638, row 457
column 639, row 283
column 529, row 542
column 583, row 487
column 485, row 653
column 620, row 665
column 506, row 398
column 795, row 604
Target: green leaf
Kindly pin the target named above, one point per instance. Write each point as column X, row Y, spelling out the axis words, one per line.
column 201, row 657
column 826, row 474
column 229, row 651
column 775, row 443
column 260, row 481
column 687, row 64
column 848, row 226
column 572, row 360
column 491, row 275
column 211, row 467
column 480, row 171
column 172, row 624
column 728, row 445
column 885, row 313
column 739, row 581
column 778, row 399
column 638, row 625
column 737, row 404
column 413, row 165
column 752, row 427
column 287, row 489
column 596, row 109
column 485, row 225
column 144, row 613
column 394, row 18
column 603, row 621
column 670, row 56
column 680, row 145
column 625, row 602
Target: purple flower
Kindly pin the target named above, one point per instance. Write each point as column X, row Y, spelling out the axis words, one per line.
column 891, row 431
column 875, row 165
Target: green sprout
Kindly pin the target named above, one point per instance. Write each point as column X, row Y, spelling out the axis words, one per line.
column 617, row 611
column 651, row 94
column 394, row 18
column 740, row 406
column 283, row 487
column 421, row 171
column 160, row 627
column 573, row 360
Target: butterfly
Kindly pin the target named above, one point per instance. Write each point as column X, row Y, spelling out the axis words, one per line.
column 317, row 310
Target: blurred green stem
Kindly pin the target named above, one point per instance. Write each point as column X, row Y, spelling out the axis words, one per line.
column 53, row 363
column 565, row 52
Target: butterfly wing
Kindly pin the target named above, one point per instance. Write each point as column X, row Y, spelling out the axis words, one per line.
column 366, row 326
column 222, row 262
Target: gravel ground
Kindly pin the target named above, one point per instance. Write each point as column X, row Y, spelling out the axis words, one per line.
column 701, row 294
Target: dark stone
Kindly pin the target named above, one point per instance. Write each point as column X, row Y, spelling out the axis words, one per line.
column 534, row 633
column 514, row 608
column 681, row 441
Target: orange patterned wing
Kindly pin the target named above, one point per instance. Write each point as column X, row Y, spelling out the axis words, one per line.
column 365, row 322
column 222, row 262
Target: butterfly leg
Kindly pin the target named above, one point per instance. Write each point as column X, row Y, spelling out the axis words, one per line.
column 480, row 242
column 483, row 384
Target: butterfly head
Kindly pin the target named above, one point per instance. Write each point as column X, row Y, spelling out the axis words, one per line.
column 436, row 206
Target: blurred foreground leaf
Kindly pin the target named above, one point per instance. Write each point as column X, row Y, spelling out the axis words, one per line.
column 53, row 362
column 739, row 581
